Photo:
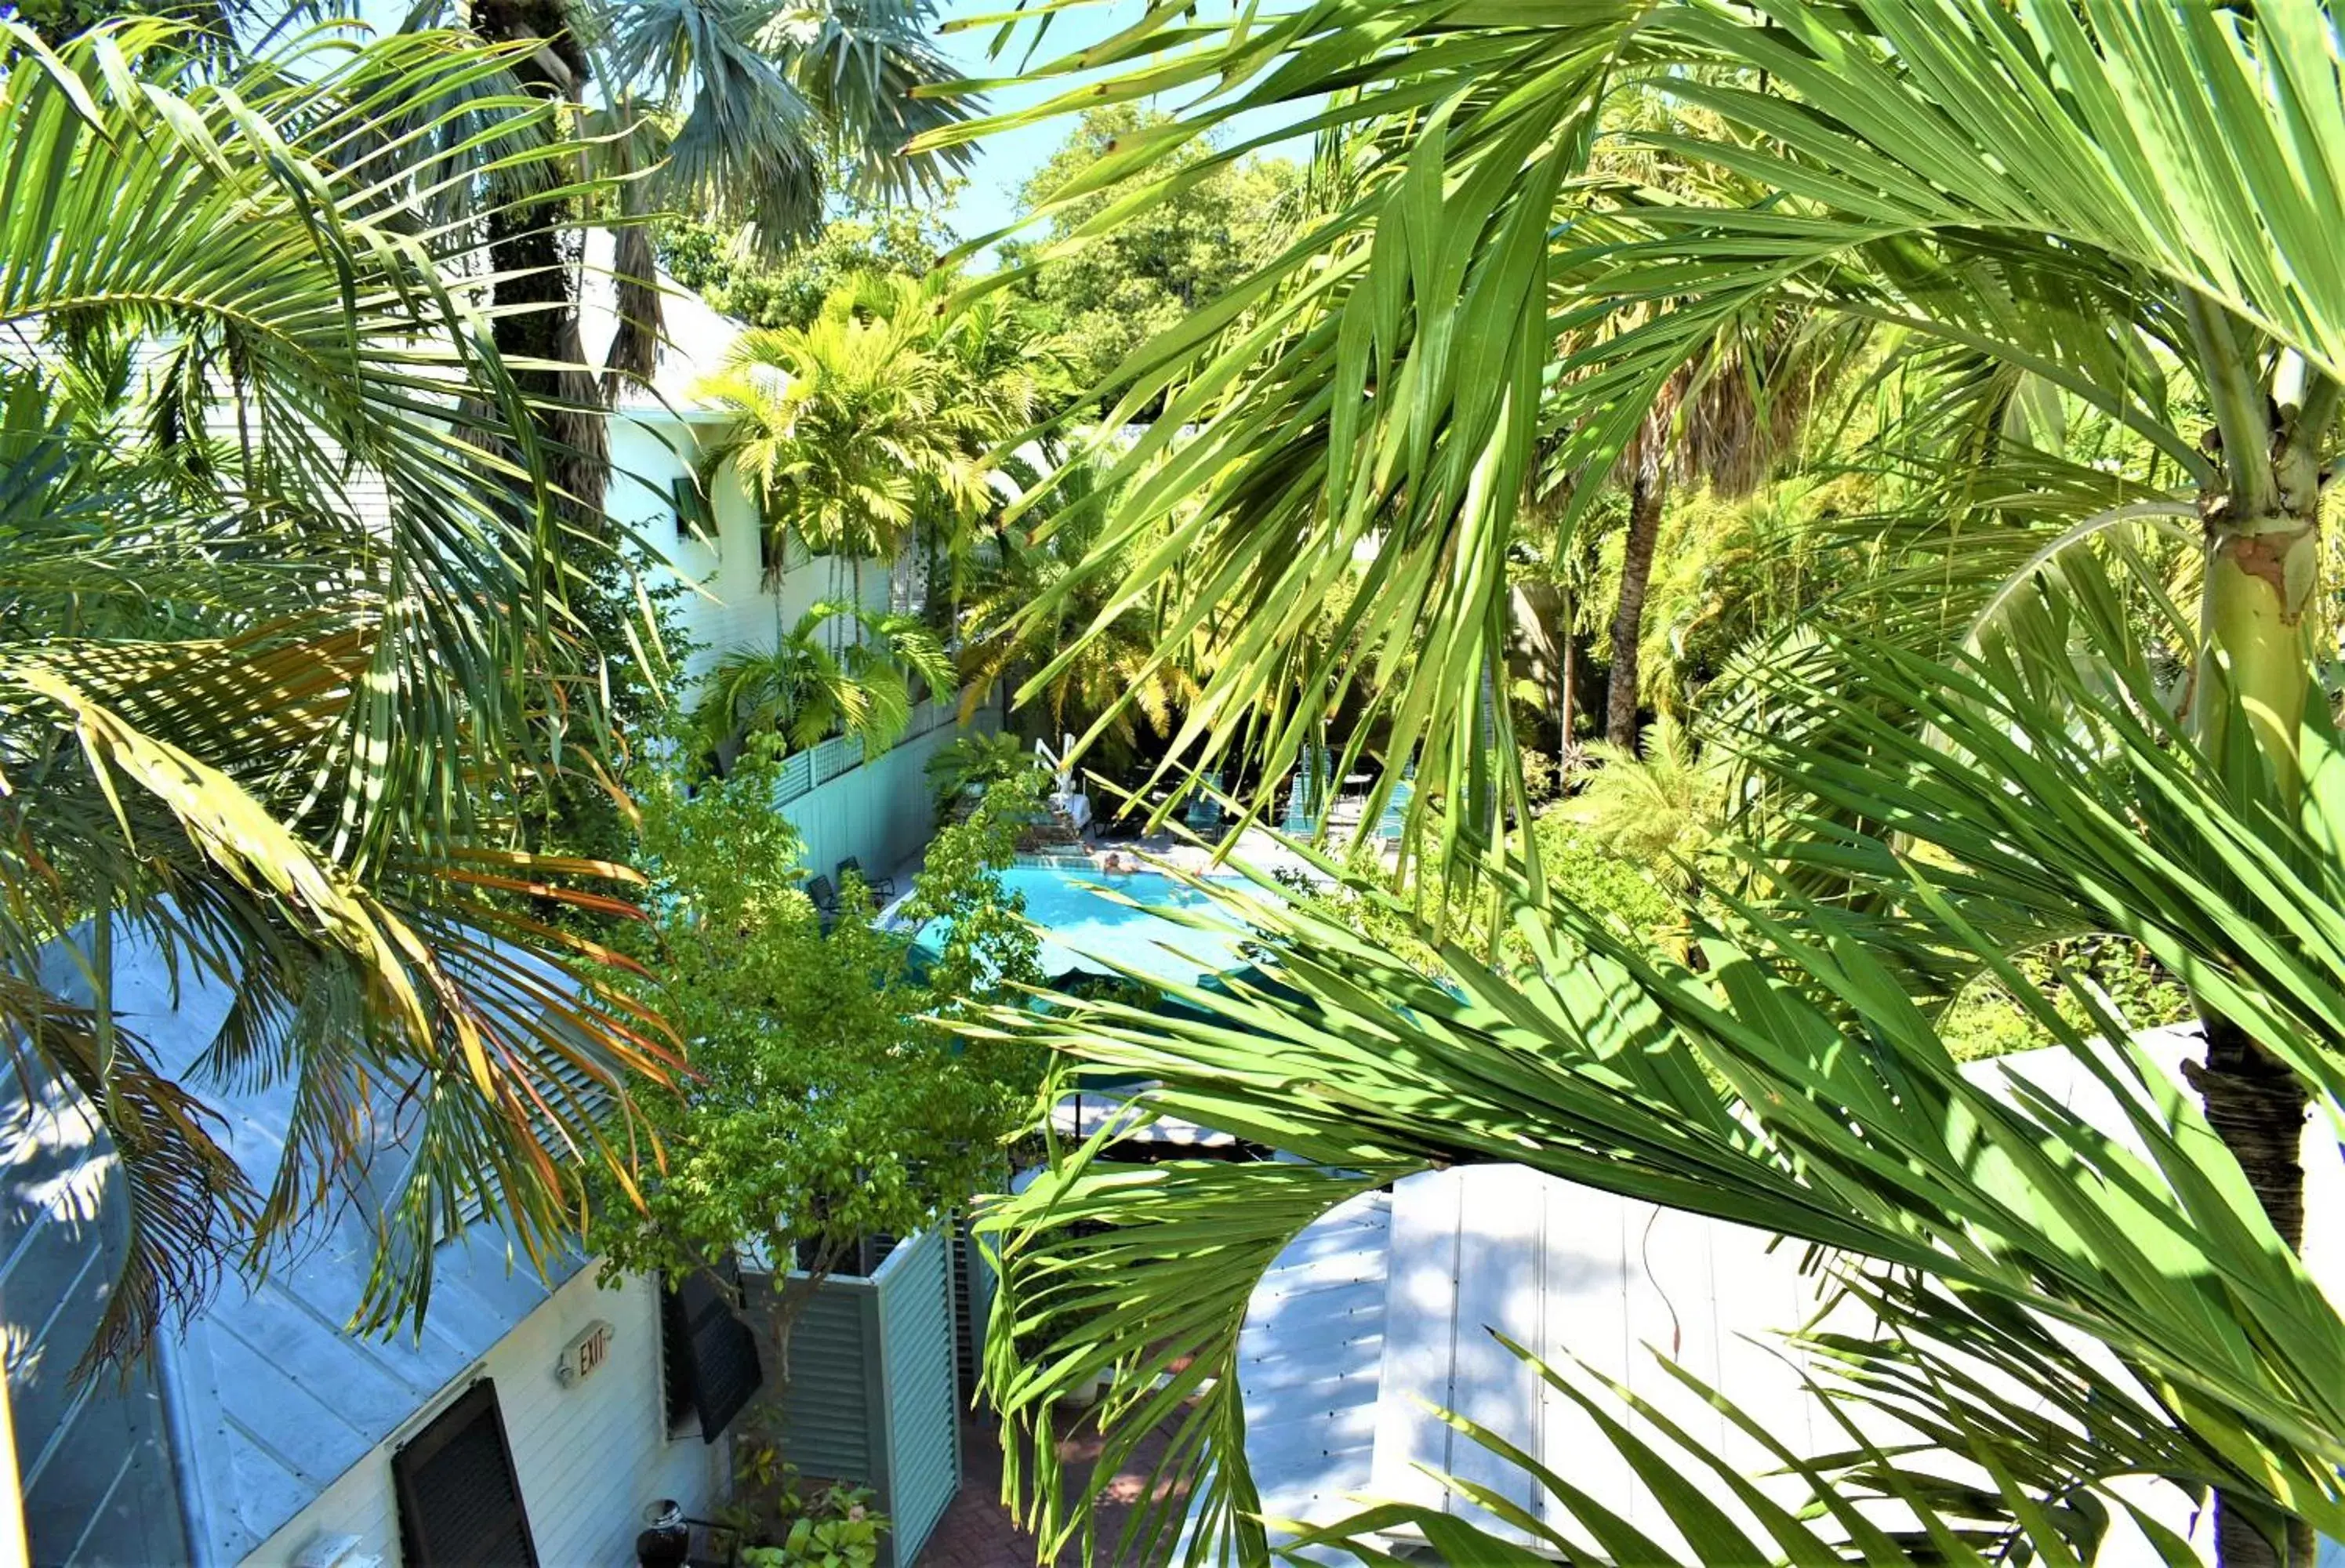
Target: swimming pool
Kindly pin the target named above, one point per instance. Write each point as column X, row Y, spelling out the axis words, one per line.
column 1080, row 925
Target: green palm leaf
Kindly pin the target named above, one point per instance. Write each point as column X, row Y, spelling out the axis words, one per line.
column 285, row 638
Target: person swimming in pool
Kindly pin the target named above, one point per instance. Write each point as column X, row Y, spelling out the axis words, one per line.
column 1114, row 865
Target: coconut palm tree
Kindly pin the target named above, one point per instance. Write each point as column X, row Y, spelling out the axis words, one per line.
column 836, row 428
column 272, row 670
column 2104, row 198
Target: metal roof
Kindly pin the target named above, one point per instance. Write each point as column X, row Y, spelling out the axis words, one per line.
column 267, row 1397
column 694, row 338
column 1308, row 1358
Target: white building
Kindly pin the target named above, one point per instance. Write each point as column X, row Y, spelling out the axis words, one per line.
column 530, row 1420
column 1385, row 1311
column 876, row 809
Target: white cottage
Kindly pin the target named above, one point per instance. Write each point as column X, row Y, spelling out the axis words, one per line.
column 531, row 1420
column 1384, row 1311
column 843, row 805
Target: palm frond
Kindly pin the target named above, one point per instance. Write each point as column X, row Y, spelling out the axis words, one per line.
column 288, row 618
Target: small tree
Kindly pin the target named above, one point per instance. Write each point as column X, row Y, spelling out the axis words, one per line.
column 831, row 1102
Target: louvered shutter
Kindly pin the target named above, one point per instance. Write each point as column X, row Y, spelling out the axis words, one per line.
column 717, row 1355
column 577, row 1092
column 459, row 1501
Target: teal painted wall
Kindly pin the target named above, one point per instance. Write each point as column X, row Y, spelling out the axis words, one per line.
column 871, row 1398
column 827, row 1417
column 916, row 1335
column 877, row 812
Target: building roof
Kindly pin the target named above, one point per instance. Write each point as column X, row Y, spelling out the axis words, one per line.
column 1308, row 1361
column 267, row 1397
column 694, row 338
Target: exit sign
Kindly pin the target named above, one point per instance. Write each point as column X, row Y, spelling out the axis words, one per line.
column 583, row 1356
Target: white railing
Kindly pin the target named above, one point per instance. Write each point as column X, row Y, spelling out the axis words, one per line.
column 1061, row 773
column 827, row 761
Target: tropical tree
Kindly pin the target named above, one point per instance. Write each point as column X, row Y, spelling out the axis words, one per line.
column 1662, row 810
column 272, row 669
column 1092, row 657
column 723, row 264
column 749, row 114
column 1723, row 418
column 1149, row 268
column 844, row 431
column 1785, row 1079
column 829, row 1105
column 809, row 685
column 2116, row 202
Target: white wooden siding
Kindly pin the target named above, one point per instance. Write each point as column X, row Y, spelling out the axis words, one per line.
column 588, row 1458
column 729, row 606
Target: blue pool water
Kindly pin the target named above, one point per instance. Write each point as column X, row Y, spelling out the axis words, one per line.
column 1080, row 925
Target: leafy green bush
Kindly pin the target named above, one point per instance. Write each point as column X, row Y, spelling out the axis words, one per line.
column 836, row 1527
column 973, row 761
column 830, row 1101
column 1984, row 1021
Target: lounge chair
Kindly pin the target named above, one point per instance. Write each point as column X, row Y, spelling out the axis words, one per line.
column 825, row 900
column 882, row 887
column 1204, row 811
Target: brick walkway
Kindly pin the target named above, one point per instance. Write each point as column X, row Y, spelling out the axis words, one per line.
column 977, row 1531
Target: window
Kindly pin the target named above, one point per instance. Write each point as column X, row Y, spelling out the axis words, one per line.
column 459, row 1500
column 692, row 518
column 707, row 1355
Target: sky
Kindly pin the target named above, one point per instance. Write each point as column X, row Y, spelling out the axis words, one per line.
column 1006, row 159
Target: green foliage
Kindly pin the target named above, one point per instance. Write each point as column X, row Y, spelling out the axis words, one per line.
column 975, row 760
column 1145, row 273
column 1091, row 664
column 277, row 656
column 1660, row 810
column 829, row 1102
column 840, row 669
column 763, row 121
column 727, row 271
column 2056, row 208
column 1638, row 899
column 836, row 1527
column 878, row 418
column 1986, row 1019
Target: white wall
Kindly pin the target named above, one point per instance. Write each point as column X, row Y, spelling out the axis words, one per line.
column 728, row 605
column 881, row 812
column 588, row 1458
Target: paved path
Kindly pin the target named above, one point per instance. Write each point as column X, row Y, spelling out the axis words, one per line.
column 977, row 1531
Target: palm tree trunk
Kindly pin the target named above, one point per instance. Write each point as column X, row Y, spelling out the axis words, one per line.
column 531, row 246
column 1563, row 714
column 2258, row 584
column 2263, row 572
column 1647, row 492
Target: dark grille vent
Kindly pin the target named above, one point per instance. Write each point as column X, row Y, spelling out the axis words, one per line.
column 459, row 1500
